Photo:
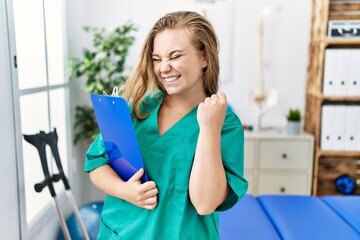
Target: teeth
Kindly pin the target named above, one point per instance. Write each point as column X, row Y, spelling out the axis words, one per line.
column 170, row 79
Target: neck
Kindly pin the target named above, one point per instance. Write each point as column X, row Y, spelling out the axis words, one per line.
column 187, row 102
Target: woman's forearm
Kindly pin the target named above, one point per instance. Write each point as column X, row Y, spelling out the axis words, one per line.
column 140, row 194
column 107, row 180
column 208, row 184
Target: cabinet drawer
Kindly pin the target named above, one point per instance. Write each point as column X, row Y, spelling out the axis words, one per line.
column 284, row 154
column 283, row 185
column 249, row 153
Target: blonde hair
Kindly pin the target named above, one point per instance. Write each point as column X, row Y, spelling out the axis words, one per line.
column 203, row 38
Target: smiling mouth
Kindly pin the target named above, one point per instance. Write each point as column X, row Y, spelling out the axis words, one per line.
column 171, row 79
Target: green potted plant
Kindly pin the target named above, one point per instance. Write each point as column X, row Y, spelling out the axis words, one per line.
column 103, row 68
column 293, row 121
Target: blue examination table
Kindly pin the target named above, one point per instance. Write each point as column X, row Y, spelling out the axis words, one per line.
column 292, row 217
column 348, row 208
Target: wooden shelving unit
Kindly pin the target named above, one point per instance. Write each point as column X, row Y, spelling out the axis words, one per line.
column 328, row 165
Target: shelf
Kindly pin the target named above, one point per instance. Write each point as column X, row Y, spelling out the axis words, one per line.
column 348, row 42
column 344, row 11
column 355, row 99
column 346, row 16
column 323, row 153
column 343, row 7
column 345, row 99
column 339, row 161
column 328, row 164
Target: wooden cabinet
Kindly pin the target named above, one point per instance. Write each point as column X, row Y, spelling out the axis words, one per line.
column 329, row 164
column 277, row 163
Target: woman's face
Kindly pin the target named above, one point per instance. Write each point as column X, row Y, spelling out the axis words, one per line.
column 177, row 64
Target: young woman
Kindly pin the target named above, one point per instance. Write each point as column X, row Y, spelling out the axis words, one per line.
column 191, row 144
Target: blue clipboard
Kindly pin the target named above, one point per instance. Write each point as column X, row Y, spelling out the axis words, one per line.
column 116, row 128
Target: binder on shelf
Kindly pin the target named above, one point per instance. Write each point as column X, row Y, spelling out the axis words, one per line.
column 327, row 127
column 116, row 128
column 352, row 121
column 342, row 72
column 354, row 73
column 357, row 129
column 339, row 127
column 330, row 72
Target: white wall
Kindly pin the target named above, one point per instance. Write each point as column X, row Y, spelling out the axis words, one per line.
column 286, row 53
column 286, row 36
column 78, row 15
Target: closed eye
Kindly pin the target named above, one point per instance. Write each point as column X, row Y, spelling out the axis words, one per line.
column 175, row 57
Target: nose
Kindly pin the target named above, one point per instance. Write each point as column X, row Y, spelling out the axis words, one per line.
column 165, row 66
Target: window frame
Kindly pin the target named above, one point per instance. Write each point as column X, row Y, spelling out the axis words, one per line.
column 47, row 216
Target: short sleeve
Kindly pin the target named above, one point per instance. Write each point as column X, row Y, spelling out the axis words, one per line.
column 232, row 151
column 96, row 155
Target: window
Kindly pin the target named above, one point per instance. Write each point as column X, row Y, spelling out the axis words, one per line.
column 42, row 91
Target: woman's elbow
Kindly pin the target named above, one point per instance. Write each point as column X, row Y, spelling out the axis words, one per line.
column 204, row 209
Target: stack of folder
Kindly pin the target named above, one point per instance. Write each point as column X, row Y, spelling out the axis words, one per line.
column 340, row 128
column 341, row 72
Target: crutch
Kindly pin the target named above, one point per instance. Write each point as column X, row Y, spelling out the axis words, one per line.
column 51, row 139
column 38, row 142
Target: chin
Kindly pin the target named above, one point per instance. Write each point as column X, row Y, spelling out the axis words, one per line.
column 171, row 91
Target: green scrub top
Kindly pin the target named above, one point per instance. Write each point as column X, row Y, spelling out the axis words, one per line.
column 168, row 159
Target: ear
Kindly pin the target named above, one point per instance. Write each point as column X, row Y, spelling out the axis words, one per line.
column 203, row 59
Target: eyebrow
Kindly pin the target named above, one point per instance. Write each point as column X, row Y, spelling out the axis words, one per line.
column 170, row 53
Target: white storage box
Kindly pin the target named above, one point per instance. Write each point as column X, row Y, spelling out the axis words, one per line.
column 344, row 29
